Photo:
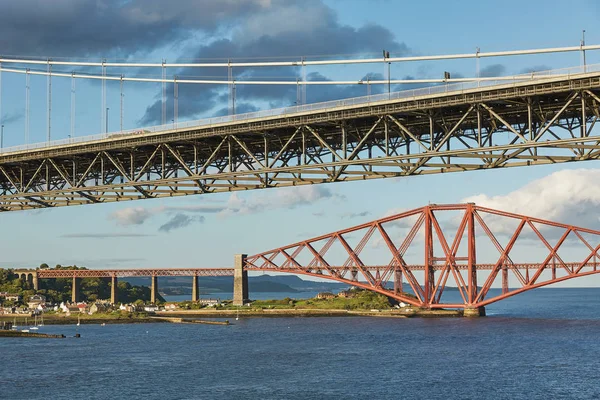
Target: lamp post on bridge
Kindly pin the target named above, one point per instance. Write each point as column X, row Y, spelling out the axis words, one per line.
column 583, row 50
column 106, row 127
column 2, row 136
column 386, row 55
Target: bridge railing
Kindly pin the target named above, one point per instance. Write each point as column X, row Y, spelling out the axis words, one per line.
column 483, row 82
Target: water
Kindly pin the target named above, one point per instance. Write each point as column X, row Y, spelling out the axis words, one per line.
column 539, row 345
column 255, row 296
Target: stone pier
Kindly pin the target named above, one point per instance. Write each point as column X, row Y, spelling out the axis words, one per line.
column 113, row 290
column 154, row 289
column 75, row 290
column 240, row 281
column 474, row 312
column 195, row 291
column 36, row 281
column 29, row 276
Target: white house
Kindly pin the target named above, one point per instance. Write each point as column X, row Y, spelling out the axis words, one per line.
column 36, row 300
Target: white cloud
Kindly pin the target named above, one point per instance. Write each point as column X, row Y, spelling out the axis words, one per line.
column 291, row 197
column 281, row 198
column 133, row 215
column 569, row 196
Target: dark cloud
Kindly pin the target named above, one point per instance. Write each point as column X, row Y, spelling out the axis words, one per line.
column 226, row 29
column 103, row 235
column 12, row 117
column 179, row 220
column 110, row 27
column 492, row 70
column 324, row 36
column 356, row 215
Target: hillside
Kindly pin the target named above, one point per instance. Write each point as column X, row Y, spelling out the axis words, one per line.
column 257, row 284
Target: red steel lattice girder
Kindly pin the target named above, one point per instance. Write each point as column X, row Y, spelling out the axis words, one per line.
column 442, row 260
column 120, row 273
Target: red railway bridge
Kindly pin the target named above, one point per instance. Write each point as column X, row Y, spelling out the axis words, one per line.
column 464, row 246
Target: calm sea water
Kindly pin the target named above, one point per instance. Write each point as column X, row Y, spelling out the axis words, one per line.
column 255, row 296
column 539, row 345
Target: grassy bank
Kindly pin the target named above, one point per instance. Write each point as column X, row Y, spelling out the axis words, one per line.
column 360, row 303
column 98, row 318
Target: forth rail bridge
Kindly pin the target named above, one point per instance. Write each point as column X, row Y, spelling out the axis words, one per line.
column 458, row 125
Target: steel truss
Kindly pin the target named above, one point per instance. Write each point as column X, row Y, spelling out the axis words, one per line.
column 450, row 256
column 122, row 273
column 546, row 122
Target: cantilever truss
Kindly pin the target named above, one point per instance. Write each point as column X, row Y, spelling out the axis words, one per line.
column 530, row 123
column 447, row 248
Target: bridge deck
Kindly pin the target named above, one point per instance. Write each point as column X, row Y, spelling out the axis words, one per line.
column 121, row 273
column 439, row 130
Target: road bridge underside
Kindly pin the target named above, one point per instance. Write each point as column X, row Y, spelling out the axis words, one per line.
column 525, row 125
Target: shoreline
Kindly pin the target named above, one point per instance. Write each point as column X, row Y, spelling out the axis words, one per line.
column 163, row 316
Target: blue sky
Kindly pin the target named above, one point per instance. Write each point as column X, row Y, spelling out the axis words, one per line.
column 130, row 234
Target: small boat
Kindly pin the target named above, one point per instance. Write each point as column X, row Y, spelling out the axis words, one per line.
column 103, row 324
column 25, row 330
column 35, row 325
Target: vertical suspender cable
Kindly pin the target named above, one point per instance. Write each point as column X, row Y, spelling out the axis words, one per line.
column 72, row 105
column 477, row 68
column 121, row 107
column 303, row 80
column 27, row 106
column 175, row 101
column 229, row 79
column 103, row 102
column 583, row 50
column 1, row 117
column 164, row 94
column 49, row 101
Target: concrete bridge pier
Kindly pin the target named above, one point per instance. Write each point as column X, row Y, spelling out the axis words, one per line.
column 195, row 291
column 154, row 289
column 75, row 290
column 240, row 280
column 474, row 312
column 113, row 290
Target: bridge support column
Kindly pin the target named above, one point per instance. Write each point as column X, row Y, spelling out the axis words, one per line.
column 36, row 281
column 474, row 312
column 75, row 290
column 154, row 289
column 398, row 281
column 113, row 290
column 195, row 292
column 240, row 281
